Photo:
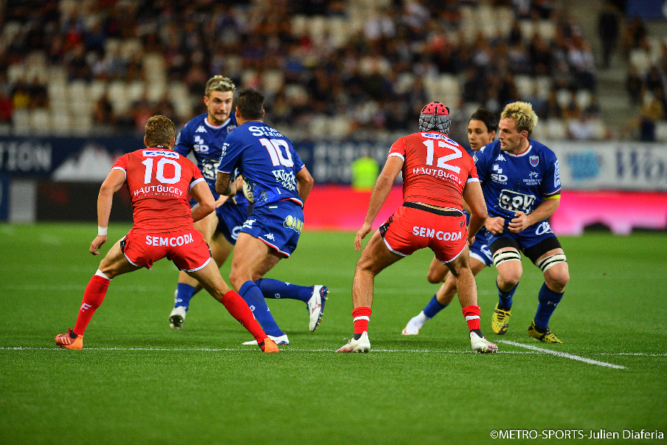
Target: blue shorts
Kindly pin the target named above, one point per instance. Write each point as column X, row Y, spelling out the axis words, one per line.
column 480, row 250
column 278, row 225
column 533, row 241
column 230, row 220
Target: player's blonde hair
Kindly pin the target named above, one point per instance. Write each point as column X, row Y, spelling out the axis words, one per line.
column 523, row 115
column 160, row 130
column 219, row 83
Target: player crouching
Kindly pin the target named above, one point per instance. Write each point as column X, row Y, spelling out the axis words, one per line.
column 160, row 182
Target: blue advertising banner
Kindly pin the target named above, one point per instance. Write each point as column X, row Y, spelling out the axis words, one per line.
column 4, row 197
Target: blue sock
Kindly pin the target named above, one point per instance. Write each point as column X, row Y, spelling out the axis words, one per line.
column 433, row 307
column 279, row 289
column 505, row 298
column 254, row 298
column 184, row 293
column 548, row 302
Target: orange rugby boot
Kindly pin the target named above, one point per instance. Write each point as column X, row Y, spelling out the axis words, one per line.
column 268, row 346
column 66, row 341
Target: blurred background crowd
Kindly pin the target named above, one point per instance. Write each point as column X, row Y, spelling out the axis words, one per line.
column 332, row 68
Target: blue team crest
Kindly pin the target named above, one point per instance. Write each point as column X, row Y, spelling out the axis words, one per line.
column 230, row 128
column 534, row 160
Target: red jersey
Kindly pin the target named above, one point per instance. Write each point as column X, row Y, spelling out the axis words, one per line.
column 435, row 169
column 159, row 181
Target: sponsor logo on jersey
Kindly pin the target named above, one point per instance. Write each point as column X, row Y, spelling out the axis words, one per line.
column 270, row 236
column 515, row 201
column 201, row 129
column 265, row 131
column 497, row 175
column 534, row 160
column 199, row 145
column 293, row 223
column 533, row 180
column 288, row 180
column 153, row 153
column 166, row 241
column 438, row 136
column 248, row 223
column 556, row 175
column 159, row 189
column 436, row 173
column 500, row 157
column 428, row 232
column 230, row 128
column 236, row 231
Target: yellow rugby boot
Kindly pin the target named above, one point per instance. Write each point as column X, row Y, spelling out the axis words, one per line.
column 500, row 320
column 545, row 337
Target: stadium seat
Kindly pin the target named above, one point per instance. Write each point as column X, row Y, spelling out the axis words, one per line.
column 155, row 91
column 563, row 97
column 404, row 83
column 21, row 121
column 299, row 25
column 272, row 81
column 135, row 91
column 449, row 85
column 547, row 30
column 583, row 98
column 661, row 131
column 15, row 72
column 40, row 121
column 57, row 73
column 524, row 85
column 504, row 18
column 77, row 90
column 82, row 124
column 61, row 123
column 556, row 129
column 640, row 60
column 339, row 127
column 319, row 126
column 57, row 91
column 600, row 129
column 97, row 89
column 527, row 29
column 544, row 84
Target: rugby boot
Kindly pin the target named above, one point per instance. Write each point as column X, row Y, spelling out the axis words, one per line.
column 269, row 346
column 545, row 337
column 282, row 340
column 361, row 345
column 66, row 340
column 316, row 306
column 500, row 320
column 482, row 345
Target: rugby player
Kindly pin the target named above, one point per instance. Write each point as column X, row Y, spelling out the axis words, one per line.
column 205, row 136
column 521, row 185
column 437, row 174
column 482, row 128
column 279, row 184
column 159, row 181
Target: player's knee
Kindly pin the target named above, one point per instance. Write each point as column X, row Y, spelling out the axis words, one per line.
column 557, row 278
column 434, row 276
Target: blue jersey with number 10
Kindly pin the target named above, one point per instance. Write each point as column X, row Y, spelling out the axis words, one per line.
column 266, row 159
column 513, row 183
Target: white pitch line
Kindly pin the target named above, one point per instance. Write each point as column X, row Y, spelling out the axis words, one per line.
column 563, row 354
column 534, row 351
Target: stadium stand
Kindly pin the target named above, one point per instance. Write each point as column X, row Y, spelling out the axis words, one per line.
column 336, row 66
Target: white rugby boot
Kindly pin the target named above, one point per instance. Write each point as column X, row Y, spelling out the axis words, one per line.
column 361, row 345
column 481, row 345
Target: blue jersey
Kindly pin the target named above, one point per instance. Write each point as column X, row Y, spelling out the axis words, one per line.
column 266, row 159
column 206, row 141
column 520, row 182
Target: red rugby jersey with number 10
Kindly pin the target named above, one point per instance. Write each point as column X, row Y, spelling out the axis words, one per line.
column 159, row 182
column 435, row 169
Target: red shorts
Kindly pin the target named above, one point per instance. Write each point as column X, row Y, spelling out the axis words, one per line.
column 186, row 248
column 410, row 229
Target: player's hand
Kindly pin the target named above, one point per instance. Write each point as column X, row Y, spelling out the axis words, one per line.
column 519, row 223
column 238, row 183
column 495, row 225
column 361, row 234
column 221, row 200
column 97, row 243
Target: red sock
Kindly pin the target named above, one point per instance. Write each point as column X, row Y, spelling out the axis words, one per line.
column 240, row 310
column 92, row 299
column 361, row 315
column 471, row 313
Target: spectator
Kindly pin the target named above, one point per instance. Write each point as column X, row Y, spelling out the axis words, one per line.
column 634, row 85
column 608, row 31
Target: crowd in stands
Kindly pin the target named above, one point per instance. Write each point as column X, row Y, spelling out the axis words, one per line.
column 331, row 67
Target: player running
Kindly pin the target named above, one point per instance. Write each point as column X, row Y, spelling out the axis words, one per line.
column 159, row 181
column 482, row 128
column 279, row 184
column 437, row 174
column 521, row 187
column 205, row 136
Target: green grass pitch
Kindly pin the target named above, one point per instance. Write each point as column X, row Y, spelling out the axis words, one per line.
column 137, row 381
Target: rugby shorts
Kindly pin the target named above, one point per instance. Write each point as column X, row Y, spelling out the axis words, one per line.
column 413, row 227
column 277, row 225
column 186, row 248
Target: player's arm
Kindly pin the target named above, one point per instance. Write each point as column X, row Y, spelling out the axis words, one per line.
column 224, row 184
column 379, row 195
column 474, row 196
column 521, row 221
column 111, row 185
column 304, row 183
column 206, row 203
